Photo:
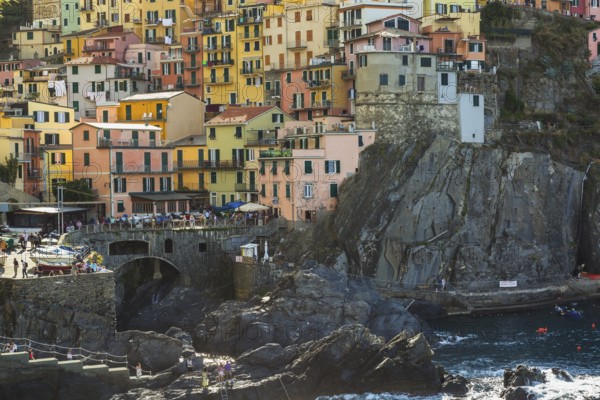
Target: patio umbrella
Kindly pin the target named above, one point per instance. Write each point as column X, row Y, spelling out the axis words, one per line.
column 252, row 207
column 234, row 204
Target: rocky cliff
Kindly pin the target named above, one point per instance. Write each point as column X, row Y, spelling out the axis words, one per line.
column 472, row 215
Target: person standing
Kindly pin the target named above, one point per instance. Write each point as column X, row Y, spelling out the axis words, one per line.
column 138, row 370
column 24, row 270
column 190, row 364
column 228, row 374
column 16, row 267
column 204, row 379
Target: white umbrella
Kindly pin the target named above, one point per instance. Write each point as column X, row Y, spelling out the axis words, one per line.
column 251, row 207
column 266, row 258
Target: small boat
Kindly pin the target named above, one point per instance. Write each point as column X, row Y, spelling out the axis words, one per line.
column 568, row 312
column 57, row 255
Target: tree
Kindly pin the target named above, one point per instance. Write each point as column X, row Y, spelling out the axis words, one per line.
column 74, row 191
column 8, row 171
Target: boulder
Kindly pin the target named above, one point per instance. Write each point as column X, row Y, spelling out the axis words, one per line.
column 455, row 385
column 271, row 356
column 155, row 351
column 516, row 393
column 523, row 376
column 562, row 374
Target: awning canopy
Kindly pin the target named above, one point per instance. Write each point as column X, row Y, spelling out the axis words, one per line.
column 52, row 210
column 160, row 196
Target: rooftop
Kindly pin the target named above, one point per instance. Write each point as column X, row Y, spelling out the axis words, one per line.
column 239, row 115
column 122, row 126
column 153, row 96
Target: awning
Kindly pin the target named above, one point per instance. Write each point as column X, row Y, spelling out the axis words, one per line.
column 160, row 196
column 51, row 210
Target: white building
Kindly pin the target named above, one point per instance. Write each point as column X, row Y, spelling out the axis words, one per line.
column 471, row 118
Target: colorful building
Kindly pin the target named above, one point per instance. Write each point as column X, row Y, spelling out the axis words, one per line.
column 234, row 139
column 178, row 114
column 36, row 43
column 130, row 171
column 300, row 180
column 191, row 169
column 110, row 44
column 54, row 123
column 43, row 83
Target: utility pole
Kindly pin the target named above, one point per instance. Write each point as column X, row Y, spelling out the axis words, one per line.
column 60, row 193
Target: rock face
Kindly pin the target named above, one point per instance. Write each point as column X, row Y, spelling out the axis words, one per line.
column 156, row 352
column 516, row 381
column 589, row 249
column 471, row 215
column 307, row 305
column 350, row 359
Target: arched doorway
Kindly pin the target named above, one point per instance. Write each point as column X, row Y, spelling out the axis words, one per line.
column 141, row 284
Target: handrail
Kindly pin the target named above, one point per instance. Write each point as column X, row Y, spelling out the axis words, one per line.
column 79, row 353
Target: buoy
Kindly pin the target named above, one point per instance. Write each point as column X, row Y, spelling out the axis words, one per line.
column 593, row 325
column 542, row 330
column 578, row 348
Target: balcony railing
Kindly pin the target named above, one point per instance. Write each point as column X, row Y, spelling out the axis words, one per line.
column 87, row 8
column 296, row 44
column 317, row 83
column 235, row 164
column 249, row 20
column 142, row 169
column 351, row 22
column 246, row 187
column 219, row 47
column 130, row 143
column 249, row 35
column 191, row 83
column 331, row 43
column 275, row 153
column 192, row 48
column 219, row 80
column 251, row 71
column 321, row 104
column 189, row 164
column 98, row 48
column 219, row 63
column 130, row 75
column 192, row 66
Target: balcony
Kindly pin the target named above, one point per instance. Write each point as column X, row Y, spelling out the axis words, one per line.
column 249, row 35
column 192, row 83
column 318, row 84
column 275, row 153
column 132, row 169
column 218, row 80
column 104, row 143
column 349, row 74
column 161, row 40
column 129, row 75
column 297, row 106
column 351, row 23
column 98, row 47
column 219, row 47
column 194, row 66
column 235, row 164
column 246, row 187
column 193, row 48
column 249, row 20
column 152, row 22
column 189, row 164
column 296, row 45
column 251, row 71
column 87, row 8
column 321, row 104
column 137, row 21
column 175, row 56
column 273, row 93
column 447, row 66
column 331, row 43
column 219, row 63
column 34, row 175
column 211, row 30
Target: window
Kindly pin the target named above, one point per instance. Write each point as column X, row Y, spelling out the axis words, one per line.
column 277, row 117
column 476, row 47
column 387, row 43
column 75, row 87
column 229, row 25
column 383, row 79
column 261, row 170
column 425, row 62
column 332, row 166
column 58, row 158
column 444, row 79
column 297, row 16
column 279, row 39
column 309, row 15
column 212, row 133
column 308, row 191
column 279, row 21
column 41, row 116
column 86, row 136
column 29, row 35
column 309, row 36
column 97, row 69
column 120, row 206
column 86, row 159
column 213, row 177
column 74, row 70
column 61, row 117
column 120, row 185
column 128, row 112
column 333, row 189
column 288, row 191
column 308, row 167
column 420, row 83
column 76, row 105
column 148, row 185
column 401, row 80
column 274, row 168
column 275, row 190
column 362, row 61
column 165, row 183
column 169, row 246
column 263, row 190
column 475, row 101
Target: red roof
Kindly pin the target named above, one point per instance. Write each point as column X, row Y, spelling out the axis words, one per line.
column 238, row 115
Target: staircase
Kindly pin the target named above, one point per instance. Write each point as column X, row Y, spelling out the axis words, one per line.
column 224, row 393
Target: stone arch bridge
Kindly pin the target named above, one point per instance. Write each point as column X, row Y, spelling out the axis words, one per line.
column 194, row 253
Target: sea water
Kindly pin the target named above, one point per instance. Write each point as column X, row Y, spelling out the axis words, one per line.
column 480, row 348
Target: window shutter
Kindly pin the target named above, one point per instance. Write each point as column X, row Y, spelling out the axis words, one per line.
column 333, row 190
column 55, row 116
column 307, row 167
column 360, row 141
column 217, row 155
column 337, row 166
column 115, row 185
column 326, row 167
column 46, row 116
column 67, row 117
column 63, row 158
column 124, row 180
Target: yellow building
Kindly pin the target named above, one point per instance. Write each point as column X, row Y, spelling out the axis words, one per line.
column 190, row 155
column 444, row 7
column 54, row 123
column 234, row 141
column 36, row 43
column 44, row 83
column 178, row 114
column 104, row 13
column 73, row 43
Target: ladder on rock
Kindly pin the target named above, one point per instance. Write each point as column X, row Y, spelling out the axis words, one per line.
column 224, row 393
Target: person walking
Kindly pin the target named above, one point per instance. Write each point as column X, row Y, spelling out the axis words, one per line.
column 228, row 373
column 24, row 270
column 16, row 267
column 205, row 379
column 138, row 370
column 190, row 364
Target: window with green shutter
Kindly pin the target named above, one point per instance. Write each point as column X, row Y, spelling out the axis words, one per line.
column 74, row 70
column 97, row 69
column 213, row 177
column 75, row 87
column 360, row 141
column 288, row 191
column 86, row 136
column 286, row 168
column 262, row 168
column 275, row 190
column 120, row 206
column 274, row 168
column 333, row 190
column 308, row 167
column 263, row 190
column 86, row 159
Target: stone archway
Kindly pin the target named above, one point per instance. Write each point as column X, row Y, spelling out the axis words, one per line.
column 140, row 284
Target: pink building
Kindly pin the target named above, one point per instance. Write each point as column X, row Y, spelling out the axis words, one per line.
column 594, row 44
column 110, row 44
column 128, row 167
column 301, row 179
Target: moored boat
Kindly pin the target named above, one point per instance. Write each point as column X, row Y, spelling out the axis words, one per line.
column 568, row 312
column 57, row 255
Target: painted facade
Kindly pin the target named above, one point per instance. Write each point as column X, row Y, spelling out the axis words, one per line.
column 36, row 43
column 110, row 44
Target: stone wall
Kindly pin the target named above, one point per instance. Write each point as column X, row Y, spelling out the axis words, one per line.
column 70, row 310
column 400, row 115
